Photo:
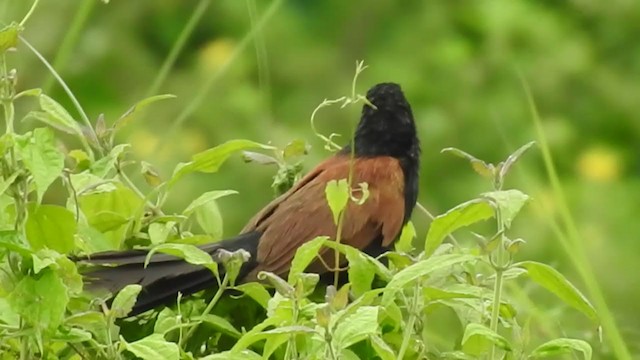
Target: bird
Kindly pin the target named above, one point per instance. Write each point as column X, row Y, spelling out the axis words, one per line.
column 384, row 153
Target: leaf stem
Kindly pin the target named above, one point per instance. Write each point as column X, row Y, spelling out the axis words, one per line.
column 74, row 100
column 28, row 15
column 71, row 36
column 125, row 179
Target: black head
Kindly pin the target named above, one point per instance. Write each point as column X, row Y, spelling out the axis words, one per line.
column 389, row 128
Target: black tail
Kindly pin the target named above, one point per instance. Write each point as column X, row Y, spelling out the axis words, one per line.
column 164, row 276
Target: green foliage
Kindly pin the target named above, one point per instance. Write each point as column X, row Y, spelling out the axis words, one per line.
column 391, row 308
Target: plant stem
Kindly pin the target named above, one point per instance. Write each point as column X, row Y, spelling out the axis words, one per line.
column 571, row 239
column 336, row 252
column 6, row 99
column 497, row 287
column 76, row 103
column 7, row 95
column 207, row 310
column 292, row 349
column 125, row 179
column 413, row 309
column 70, row 40
column 31, row 10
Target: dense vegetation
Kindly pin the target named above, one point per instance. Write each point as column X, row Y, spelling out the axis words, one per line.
column 71, row 187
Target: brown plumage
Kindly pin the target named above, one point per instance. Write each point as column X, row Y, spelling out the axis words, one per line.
column 385, row 153
column 302, row 213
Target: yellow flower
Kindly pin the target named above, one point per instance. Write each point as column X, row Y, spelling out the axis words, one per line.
column 215, row 54
column 599, row 164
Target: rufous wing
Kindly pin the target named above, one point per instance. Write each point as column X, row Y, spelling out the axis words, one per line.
column 302, row 214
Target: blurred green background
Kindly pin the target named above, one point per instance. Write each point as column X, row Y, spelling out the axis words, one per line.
column 257, row 69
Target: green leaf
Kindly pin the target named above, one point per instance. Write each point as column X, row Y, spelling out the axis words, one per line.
column 68, row 272
column 295, row 148
column 338, row 299
column 11, row 240
column 108, row 210
column 105, row 165
column 465, row 214
column 362, row 270
column 292, row 329
column 106, row 221
column 478, row 338
column 91, row 240
column 337, row 193
column 562, row 346
column 210, row 219
column 5, row 183
column 481, row 167
column 7, row 315
column 125, row 300
column 166, row 320
column 272, row 343
column 158, row 232
column 205, row 198
column 65, row 268
column 262, row 159
column 552, row 280
column 81, row 159
column 50, row 226
column 9, row 36
column 383, row 350
column 513, row 158
column 404, row 243
column 47, row 119
column 256, row 334
column 58, row 117
column 189, row 253
column 7, row 141
column 221, row 324
column 29, row 92
column 209, row 161
column 94, row 322
column 150, row 174
column 71, row 335
column 457, row 355
column 282, row 287
column 234, row 355
column 42, row 158
column 508, row 202
column 456, row 291
column 304, row 256
column 193, row 240
column 154, row 347
column 356, row 327
column 86, row 183
column 362, row 267
column 40, row 301
column 421, row 269
column 255, row 291
column 134, row 111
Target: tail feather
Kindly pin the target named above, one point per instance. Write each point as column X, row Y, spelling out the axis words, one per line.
column 165, row 275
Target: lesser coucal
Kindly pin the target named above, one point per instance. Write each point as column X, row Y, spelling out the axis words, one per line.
column 386, row 153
